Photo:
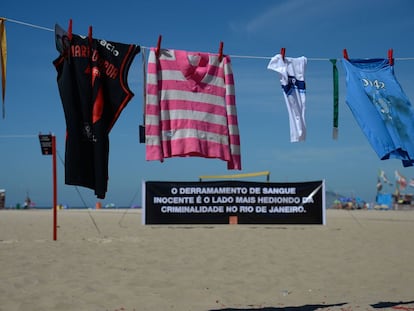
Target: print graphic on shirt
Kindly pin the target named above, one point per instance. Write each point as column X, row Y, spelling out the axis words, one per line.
column 292, row 90
column 389, row 107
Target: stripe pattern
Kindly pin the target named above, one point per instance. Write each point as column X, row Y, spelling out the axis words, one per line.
column 190, row 107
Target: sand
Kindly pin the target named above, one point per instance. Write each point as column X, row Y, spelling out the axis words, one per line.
column 108, row 260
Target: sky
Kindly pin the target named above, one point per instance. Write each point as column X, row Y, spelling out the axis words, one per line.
column 252, row 32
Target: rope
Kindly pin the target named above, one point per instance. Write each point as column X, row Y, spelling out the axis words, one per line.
column 27, row 24
column 127, row 209
column 232, row 56
column 81, row 197
column 18, row 136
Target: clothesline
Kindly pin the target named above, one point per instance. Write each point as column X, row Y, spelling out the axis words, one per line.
column 27, row 24
column 19, row 136
column 144, row 47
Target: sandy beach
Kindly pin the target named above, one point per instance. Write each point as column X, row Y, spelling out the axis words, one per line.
column 108, row 260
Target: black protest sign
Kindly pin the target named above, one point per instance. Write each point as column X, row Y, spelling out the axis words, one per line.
column 219, row 201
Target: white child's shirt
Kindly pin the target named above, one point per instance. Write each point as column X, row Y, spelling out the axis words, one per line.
column 292, row 80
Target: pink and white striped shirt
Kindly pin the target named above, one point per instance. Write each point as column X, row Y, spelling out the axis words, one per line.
column 190, row 108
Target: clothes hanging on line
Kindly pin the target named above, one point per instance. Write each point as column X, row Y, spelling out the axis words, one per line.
column 92, row 81
column 381, row 108
column 292, row 79
column 398, row 152
column 191, row 108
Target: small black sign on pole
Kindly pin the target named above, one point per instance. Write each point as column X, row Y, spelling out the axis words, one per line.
column 48, row 147
column 46, row 144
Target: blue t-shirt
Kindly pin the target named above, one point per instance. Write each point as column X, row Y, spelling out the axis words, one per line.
column 381, row 108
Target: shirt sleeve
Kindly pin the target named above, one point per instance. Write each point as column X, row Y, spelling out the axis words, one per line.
column 232, row 121
column 152, row 111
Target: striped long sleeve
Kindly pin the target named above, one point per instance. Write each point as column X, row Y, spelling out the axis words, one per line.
column 191, row 108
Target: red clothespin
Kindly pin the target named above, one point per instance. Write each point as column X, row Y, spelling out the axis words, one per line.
column 221, row 51
column 390, row 57
column 70, row 30
column 90, row 35
column 283, row 53
column 158, row 48
column 346, row 54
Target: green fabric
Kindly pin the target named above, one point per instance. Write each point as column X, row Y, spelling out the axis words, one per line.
column 335, row 99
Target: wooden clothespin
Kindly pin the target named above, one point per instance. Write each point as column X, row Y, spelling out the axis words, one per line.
column 390, row 57
column 283, row 53
column 70, row 30
column 346, row 54
column 158, row 48
column 221, row 51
